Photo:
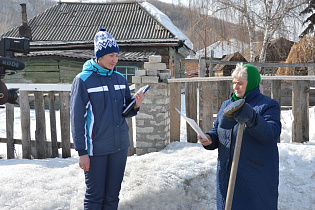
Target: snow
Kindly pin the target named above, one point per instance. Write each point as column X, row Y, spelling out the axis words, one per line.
column 221, row 48
column 166, row 22
column 182, row 176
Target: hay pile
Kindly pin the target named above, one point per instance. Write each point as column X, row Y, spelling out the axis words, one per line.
column 301, row 52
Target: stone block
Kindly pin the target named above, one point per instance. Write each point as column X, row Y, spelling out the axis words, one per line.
column 144, row 144
column 164, row 77
column 150, row 79
column 136, row 79
column 154, row 66
column 155, row 59
column 144, row 130
column 141, row 73
column 152, row 72
column 152, row 150
column 141, row 151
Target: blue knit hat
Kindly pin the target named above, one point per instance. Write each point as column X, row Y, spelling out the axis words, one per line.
column 104, row 43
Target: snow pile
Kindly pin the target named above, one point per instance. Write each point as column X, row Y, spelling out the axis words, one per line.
column 182, row 176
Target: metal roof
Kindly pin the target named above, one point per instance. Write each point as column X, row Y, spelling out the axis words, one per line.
column 79, row 22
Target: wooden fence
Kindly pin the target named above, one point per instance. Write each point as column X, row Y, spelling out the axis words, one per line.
column 212, row 92
column 40, row 97
column 40, row 147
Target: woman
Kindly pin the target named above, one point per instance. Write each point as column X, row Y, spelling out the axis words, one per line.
column 256, row 185
column 99, row 131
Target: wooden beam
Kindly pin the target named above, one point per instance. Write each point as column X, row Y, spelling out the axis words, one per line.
column 206, row 106
column 25, row 125
column 191, row 109
column 175, row 102
column 300, row 110
column 65, row 123
column 260, row 64
column 229, row 78
column 33, row 143
column 9, row 108
column 40, row 133
column 53, row 127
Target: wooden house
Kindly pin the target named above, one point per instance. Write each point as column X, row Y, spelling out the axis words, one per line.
column 226, row 70
column 62, row 39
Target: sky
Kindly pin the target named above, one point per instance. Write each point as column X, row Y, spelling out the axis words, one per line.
column 181, row 176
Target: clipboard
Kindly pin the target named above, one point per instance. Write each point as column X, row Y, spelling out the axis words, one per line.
column 133, row 99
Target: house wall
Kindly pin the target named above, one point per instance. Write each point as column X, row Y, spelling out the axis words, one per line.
column 177, row 63
column 39, row 70
column 50, row 69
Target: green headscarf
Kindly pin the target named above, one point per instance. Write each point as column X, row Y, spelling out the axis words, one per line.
column 253, row 80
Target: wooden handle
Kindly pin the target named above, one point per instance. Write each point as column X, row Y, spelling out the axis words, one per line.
column 236, row 157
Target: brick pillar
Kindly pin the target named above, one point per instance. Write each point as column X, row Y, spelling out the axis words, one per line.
column 152, row 122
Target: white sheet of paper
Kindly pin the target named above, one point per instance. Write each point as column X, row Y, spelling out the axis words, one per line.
column 193, row 124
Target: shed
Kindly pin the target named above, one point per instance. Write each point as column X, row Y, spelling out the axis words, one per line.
column 62, row 39
column 226, row 70
column 277, row 50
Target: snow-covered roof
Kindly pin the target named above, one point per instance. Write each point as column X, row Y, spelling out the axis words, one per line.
column 221, row 48
column 166, row 22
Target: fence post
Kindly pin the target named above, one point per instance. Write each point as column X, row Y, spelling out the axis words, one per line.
column 175, row 102
column 53, row 127
column 25, row 125
column 276, row 90
column 300, row 110
column 9, row 129
column 191, row 108
column 311, row 71
column 206, row 106
column 202, row 67
column 223, row 92
column 40, row 133
column 211, row 64
column 65, row 123
column 131, row 149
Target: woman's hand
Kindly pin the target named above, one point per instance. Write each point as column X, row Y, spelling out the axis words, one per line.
column 139, row 98
column 205, row 142
column 84, row 162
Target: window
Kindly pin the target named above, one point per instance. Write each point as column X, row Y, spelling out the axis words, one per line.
column 128, row 72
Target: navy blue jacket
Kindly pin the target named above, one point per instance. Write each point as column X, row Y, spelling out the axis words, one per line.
column 97, row 99
column 257, row 180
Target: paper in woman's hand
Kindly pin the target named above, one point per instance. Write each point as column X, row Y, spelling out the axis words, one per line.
column 193, row 124
column 133, row 99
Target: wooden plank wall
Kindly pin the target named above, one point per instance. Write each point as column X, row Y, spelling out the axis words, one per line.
column 49, row 71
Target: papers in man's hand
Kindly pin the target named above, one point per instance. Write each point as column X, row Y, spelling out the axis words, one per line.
column 193, row 124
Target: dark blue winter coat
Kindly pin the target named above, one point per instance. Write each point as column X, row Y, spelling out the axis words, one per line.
column 97, row 99
column 257, row 180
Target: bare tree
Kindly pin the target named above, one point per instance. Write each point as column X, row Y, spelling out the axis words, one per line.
column 310, row 20
column 265, row 15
